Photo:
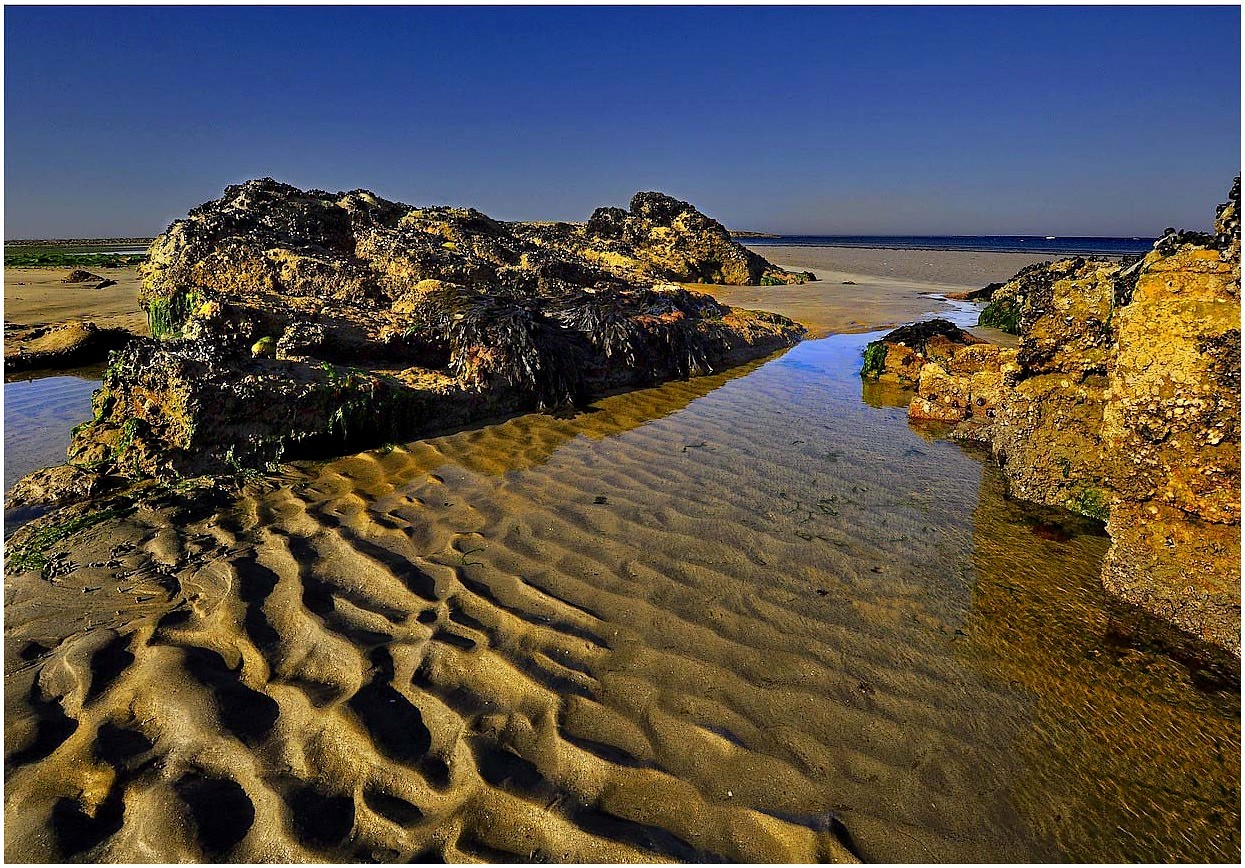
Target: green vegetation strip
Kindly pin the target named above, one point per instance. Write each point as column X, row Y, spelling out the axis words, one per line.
column 31, row 554
column 72, row 260
column 166, row 316
column 1002, row 314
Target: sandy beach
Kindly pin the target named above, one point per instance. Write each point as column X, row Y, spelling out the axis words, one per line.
column 707, row 620
column 40, row 296
column 861, row 290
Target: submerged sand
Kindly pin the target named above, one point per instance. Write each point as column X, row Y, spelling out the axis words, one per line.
column 750, row 617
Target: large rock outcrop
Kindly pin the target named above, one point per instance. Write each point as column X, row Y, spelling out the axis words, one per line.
column 1172, row 434
column 1123, row 403
column 290, row 323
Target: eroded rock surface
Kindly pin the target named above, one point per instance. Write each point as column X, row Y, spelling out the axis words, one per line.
column 292, row 323
column 1123, row 403
column 1172, row 434
column 969, row 386
column 664, row 238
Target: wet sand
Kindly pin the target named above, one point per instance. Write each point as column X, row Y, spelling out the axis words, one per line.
column 39, row 296
column 863, row 290
column 755, row 616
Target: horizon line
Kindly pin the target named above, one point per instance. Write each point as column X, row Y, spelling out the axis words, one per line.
column 760, row 232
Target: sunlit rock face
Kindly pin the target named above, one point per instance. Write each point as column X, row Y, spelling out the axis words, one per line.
column 666, row 237
column 1172, row 433
column 899, row 355
column 1123, row 403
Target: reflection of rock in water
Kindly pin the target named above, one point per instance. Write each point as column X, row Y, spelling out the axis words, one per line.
column 881, row 393
column 38, row 413
column 1113, row 726
column 529, row 440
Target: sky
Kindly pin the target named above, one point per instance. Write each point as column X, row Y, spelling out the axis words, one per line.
column 1053, row 121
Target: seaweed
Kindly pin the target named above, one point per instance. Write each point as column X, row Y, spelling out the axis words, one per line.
column 607, row 324
column 786, row 278
column 168, row 314
column 503, row 337
column 1091, row 502
column 875, row 360
column 31, row 553
column 1002, row 314
column 130, row 429
column 677, row 340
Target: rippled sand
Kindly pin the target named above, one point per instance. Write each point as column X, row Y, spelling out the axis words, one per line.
column 747, row 617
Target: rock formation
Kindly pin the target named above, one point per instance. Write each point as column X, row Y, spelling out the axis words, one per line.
column 1172, row 433
column 293, row 323
column 899, row 357
column 1122, row 403
column 65, row 345
column 662, row 238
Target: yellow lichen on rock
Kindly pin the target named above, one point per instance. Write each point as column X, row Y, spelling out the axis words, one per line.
column 1172, row 430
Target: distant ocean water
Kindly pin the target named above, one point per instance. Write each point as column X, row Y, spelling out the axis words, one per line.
column 1057, row 246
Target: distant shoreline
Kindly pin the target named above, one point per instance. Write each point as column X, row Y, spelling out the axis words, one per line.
column 1069, row 246
column 75, row 242
column 1058, row 246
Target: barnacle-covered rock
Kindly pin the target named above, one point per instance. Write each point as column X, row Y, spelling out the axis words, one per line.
column 897, row 357
column 664, row 238
column 291, row 323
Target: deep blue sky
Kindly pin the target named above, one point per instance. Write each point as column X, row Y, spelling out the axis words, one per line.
column 1063, row 121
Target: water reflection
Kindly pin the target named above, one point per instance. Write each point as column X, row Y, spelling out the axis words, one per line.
column 1130, row 756
column 873, row 543
column 39, row 413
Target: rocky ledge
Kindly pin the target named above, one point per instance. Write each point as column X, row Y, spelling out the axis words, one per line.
column 59, row 346
column 289, row 323
column 1121, row 402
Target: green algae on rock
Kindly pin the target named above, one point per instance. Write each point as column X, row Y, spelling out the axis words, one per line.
column 290, row 323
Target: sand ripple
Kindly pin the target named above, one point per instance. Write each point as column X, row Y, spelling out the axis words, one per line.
column 746, row 618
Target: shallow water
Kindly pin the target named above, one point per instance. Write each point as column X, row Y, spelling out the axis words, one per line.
column 751, row 616
column 39, row 412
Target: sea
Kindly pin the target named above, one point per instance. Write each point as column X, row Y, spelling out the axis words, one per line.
column 1054, row 245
